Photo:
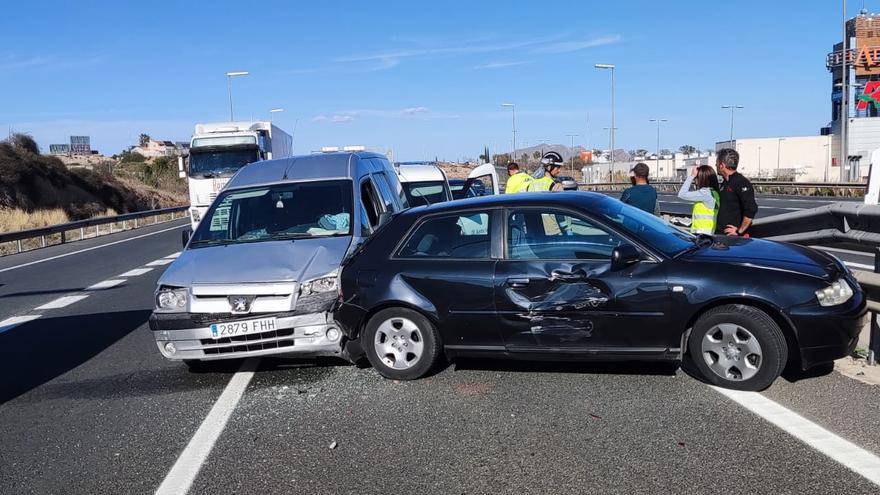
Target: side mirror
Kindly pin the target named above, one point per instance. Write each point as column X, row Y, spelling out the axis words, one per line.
column 384, row 218
column 184, row 236
column 624, row 255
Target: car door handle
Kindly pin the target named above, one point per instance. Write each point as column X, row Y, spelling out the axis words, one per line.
column 518, row 282
column 574, row 276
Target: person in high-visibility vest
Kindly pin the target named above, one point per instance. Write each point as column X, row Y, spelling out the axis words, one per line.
column 517, row 181
column 552, row 162
column 705, row 198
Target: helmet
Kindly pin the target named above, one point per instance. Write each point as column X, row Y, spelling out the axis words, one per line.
column 551, row 159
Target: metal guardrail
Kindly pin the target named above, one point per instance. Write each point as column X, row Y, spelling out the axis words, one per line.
column 82, row 225
column 844, row 189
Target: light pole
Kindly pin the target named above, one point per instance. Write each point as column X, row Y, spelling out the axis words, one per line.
column 611, row 138
column 229, row 76
column 513, row 108
column 732, row 108
column 759, row 162
column 611, row 68
column 843, row 97
column 778, row 154
column 658, row 121
column 274, row 110
column 827, row 158
column 571, row 159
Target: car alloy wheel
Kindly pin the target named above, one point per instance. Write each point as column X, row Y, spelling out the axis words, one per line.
column 731, row 352
column 399, row 343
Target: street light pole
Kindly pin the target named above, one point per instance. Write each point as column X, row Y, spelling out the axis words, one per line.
column 513, row 108
column 658, row 121
column 611, row 68
column 229, row 76
column 778, row 154
column 571, row 159
column 732, row 108
column 844, row 90
column 274, row 110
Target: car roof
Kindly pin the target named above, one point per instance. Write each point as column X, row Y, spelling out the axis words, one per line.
column 298, row 168
column 563, row 198
column 417, row 173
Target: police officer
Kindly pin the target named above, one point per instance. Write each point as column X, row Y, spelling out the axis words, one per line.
column 738, row 206
column 552, row 162
column 517, row 181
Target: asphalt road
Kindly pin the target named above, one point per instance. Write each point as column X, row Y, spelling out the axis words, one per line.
column 87, row 405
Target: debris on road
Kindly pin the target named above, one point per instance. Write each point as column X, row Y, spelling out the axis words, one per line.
column 332, row 445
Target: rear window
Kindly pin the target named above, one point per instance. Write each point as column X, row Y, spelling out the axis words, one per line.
column 461, row 236
column 425, row 192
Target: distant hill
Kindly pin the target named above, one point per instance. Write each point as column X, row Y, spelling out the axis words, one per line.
column 30, row 181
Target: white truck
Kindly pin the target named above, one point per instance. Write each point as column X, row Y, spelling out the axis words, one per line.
column 218, row 150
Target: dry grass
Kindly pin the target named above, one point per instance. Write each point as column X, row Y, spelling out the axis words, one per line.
column 14, row 219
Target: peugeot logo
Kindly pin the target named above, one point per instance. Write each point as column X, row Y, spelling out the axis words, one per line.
column 240, row 304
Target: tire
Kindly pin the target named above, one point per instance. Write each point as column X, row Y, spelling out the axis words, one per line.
column 401, row 344
column 738, row 347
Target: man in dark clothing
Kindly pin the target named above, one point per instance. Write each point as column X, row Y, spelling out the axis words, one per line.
column 738, row 206
column 641, row 195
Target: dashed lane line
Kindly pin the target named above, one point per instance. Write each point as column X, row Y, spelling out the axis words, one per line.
column 173, row 255
column 850, row 455
column 160, row 262
column 179, row 480
column 62, row 302
column 91, row 248
column 136, row 272
column 10, row 323
column 106, row 284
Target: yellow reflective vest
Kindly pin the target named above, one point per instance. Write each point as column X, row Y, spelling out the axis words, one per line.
column 541, row 185
column 518, row 182
column 702, row 218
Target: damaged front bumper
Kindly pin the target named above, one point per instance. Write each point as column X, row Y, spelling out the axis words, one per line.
column 188, row 336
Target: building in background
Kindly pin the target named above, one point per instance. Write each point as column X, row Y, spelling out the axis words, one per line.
column 151, row 148
column 59, row 149
column 863, row 109
column 80, row 145
column 788, row 159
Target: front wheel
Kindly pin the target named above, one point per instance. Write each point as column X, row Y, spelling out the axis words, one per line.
column 738, row 347
column 401, row 344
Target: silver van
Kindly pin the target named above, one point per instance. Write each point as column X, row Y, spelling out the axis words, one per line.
column 259, row 275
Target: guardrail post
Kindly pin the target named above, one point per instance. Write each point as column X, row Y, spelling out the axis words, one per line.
column 874, row 339
column 43, row 241
column 111, row 227
column 135, row 222
column 18, row 245
column 63, row 237
column 82, row 233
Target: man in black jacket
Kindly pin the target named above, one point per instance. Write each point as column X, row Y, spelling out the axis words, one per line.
column 738, row 206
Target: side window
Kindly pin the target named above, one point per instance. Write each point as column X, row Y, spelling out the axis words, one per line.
column 370, row 203
column 452, row 236
column 548, row 235
column 388, row 198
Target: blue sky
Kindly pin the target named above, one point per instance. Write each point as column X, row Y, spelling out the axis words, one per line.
column 426, row 79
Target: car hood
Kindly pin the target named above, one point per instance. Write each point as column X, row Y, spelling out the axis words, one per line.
column 270, row 261
column 769, row 255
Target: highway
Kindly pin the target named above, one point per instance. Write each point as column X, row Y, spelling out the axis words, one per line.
column 88, row 405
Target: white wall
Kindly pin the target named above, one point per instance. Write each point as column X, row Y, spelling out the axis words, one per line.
column 768, row 158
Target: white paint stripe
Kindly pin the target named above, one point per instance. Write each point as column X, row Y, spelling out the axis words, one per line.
column 136, row 272
column 179, row 480
column 160, row 262
column 106, row 284
column 10, row 323
column 91, row 248
column 859, row 265
column 173, row 255
column 853, row 457
column 845, row 251
column 62, row 302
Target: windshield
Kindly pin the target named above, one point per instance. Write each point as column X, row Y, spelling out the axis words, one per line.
column 216, row 163
column 283, row 211
column 425, row 193
column 646, row 227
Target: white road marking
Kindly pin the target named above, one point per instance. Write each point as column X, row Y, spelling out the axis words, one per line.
column 160, row 262
column 62, row 302
column 91, row 248
column 845, row 251
column 179, row 480
column 136, row 272
column 10, row 323
column 850, row 455
column 859, row 265
column 173, row 255
column 106, row 284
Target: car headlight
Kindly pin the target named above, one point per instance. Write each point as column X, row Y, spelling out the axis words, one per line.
column 320, row 285
column 838, row 292
column 169, row 299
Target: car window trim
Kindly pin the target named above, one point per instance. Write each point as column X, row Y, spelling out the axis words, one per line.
column 654, row 258
column 418, row 223
column 368, row 178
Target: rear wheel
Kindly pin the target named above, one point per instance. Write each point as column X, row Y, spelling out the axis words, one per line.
column 739, row 347
column 401, row 344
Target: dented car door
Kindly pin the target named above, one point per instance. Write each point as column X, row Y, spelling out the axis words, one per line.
column 555, row 289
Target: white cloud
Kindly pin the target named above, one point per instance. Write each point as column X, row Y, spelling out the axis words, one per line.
column 11, row 62
column 414, row 111
column 320, row 118
column 502, row 65
column 341, row 119
column 573, row 46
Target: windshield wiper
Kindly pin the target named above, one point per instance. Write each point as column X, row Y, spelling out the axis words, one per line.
column 211, row 242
